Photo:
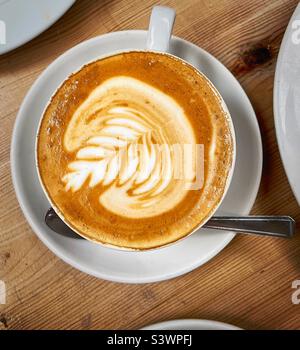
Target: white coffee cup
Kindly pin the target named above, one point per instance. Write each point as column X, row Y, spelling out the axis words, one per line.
column 158, row 40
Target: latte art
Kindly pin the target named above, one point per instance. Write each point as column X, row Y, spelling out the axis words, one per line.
column 123, row 143
column 135, row 150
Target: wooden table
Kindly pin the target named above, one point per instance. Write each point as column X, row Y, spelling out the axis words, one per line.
column 249, row 284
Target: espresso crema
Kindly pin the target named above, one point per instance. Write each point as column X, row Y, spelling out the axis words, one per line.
column 134, row 150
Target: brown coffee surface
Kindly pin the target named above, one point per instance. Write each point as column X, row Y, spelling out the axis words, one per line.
column 106, row 154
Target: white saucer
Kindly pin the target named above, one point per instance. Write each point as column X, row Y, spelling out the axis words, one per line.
column 122, row 266
column 190, row 325
column 24, row 20
column 287, row 103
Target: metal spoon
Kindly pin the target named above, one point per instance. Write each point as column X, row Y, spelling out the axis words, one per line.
column 276, row 226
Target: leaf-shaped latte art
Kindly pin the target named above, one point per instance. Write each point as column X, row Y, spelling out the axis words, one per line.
column 122, row 151
column 121, row 136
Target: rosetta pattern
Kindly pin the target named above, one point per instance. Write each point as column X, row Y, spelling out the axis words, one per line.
column 123, row 152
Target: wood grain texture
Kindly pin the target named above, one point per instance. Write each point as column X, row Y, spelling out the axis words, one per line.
column 249, row 283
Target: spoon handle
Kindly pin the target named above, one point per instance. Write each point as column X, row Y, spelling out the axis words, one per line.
column 277, row 226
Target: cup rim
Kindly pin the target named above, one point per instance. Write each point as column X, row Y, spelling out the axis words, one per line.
column 229, row 175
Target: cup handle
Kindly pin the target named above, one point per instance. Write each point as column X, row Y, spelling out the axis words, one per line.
column 160, row 28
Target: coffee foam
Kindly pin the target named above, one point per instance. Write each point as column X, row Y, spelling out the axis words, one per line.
column 110, row 136
column 118, row 116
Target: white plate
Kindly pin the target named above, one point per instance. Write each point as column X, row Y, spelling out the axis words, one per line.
column 116, row 265
column 191, row 324
column 24, row 20
column 287, row 103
